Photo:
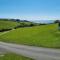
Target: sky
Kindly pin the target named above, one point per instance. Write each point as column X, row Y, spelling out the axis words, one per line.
column 30, row 9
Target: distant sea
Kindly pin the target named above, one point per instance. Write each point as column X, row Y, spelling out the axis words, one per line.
column 44, row 21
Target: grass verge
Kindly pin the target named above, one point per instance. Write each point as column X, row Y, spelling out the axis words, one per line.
column 11, row 56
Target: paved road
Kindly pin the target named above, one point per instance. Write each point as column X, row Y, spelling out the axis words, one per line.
column 36, row 53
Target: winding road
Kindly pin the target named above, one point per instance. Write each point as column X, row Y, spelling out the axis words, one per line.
column 36, row 53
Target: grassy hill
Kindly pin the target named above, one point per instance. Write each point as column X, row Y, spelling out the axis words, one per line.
column 6, row 24
column 45, row 36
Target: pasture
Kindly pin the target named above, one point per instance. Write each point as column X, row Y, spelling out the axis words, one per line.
column 43, row 36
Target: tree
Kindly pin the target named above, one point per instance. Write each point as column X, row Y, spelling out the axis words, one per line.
column 56, row 21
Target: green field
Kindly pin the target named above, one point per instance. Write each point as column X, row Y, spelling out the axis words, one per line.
column 7, row 24
column 44, row 36
column 10, row 24
column 10, row 56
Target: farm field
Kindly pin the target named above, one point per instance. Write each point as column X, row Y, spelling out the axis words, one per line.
column 11, row 56
column 43, row 36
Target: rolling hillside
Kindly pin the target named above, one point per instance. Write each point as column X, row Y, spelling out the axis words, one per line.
column 45, row 36
column 5, row 24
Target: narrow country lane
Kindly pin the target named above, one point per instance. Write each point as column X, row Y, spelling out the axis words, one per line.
column 36, row 53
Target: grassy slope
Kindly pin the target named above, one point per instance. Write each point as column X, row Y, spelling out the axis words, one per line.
column 45, row 36
column 7, row 24
column 11, row 56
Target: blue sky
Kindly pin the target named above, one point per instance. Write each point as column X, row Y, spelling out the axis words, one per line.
column 30, row 9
